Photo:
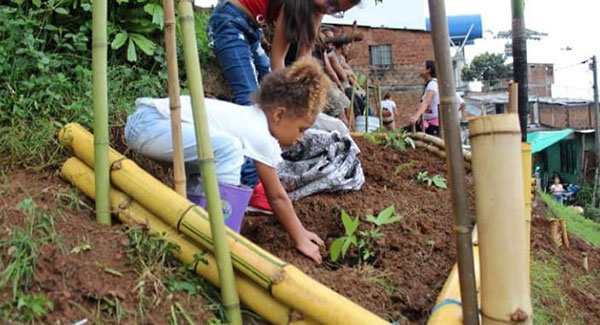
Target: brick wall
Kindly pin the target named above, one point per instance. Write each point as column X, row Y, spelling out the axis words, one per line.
column 561, row 116
column 410, row 49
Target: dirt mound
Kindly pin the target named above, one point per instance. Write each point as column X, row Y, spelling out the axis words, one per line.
column 417, row 253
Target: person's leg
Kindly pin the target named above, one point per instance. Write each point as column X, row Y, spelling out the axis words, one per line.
column 232, row 38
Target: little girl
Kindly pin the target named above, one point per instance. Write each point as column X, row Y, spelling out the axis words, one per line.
column 287, row 103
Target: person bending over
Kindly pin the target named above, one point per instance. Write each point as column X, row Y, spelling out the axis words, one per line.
column 287, row 103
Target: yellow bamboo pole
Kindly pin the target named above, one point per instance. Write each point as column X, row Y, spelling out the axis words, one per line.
column 527, row 179
column 179, row 180
column 352, row 118
column 131, row 212
column 285, row 282
column 447, row 310
column 513, row 96
column 500, row 210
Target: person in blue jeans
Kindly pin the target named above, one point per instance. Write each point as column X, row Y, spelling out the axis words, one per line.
column 235, row 30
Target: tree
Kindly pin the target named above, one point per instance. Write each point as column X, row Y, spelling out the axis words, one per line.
column 488, row 68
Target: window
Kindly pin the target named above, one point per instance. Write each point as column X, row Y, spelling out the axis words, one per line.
column 567, row 157
column 380, row 54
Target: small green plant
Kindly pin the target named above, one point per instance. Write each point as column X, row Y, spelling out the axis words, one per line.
column 397, row 139
column 33, row 307
column 365, row 241
column 404, row 166
column 437, row 180
column 342, row 244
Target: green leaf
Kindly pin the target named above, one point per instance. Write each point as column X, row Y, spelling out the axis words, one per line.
column 131, row 55
column 439, row 181
column 402, row 167
column 347, row 243
column 336, row 248
column 37, row 3
column 386, row 214
column 371, row 218
column 146, row 45
column 349, row 224
column 61, row 11
column 119, row 40
column 410, row 141
column 156, row 11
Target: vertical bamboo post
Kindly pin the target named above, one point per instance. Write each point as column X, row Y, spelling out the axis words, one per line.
column 352, row 118
column 367, row 108
column 527, row 181
column 100, row 103
column 207, row 165
column 513, row 96
column 586, row 266
column 463, row 222
column 565, row 236
column 179, row 180
column 556, row 237
column 500, row 209
column 380, row 109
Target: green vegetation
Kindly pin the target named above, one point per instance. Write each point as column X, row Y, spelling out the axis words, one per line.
column 488, row 68
column 404, row 166
column 364, row 243
column 397, row 139
column 437, row 180
column 577, row 224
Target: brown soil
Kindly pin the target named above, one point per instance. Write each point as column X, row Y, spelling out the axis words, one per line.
column 585, row 300
column 73, row 281
column 417, row 254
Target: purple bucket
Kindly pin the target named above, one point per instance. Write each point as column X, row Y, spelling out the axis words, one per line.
column 234, row 200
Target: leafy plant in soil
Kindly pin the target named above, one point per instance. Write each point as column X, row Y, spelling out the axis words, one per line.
column 404, row 166
column 437, row 180
column 365, row 242
column 397, row 139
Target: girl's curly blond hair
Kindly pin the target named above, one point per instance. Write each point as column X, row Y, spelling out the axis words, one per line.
column 301, row 89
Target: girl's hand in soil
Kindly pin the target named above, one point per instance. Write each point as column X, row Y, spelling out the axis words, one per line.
column 308, row 244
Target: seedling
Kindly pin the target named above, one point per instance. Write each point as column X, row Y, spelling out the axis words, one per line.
column 342, row 244
column 33, row 307
column 398, row 139
column 404, row 166
column 437, row 180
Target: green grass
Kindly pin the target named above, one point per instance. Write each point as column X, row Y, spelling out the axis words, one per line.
column 577, row 224
column 549, row 302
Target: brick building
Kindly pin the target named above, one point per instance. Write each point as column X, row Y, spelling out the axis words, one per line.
column 392, row 58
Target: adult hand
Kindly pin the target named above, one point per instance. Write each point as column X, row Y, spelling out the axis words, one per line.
column 308, row 244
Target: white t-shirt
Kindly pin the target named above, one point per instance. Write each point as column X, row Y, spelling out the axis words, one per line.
column 247, row 124
column 388, row 105
column 432, row 111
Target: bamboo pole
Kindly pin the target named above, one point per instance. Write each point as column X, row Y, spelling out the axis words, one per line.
column 586, row 266
column 179, row 180
column 565, row 236
column 513, row 95
column 463, row 221
column 131, row 212
column 207, row 164
column 352, row 119
column 367, row 108
column 285, row 282
column 100, row 103
column 500, row 209
column 379, row 108
column 527, row 181
column 556, row 237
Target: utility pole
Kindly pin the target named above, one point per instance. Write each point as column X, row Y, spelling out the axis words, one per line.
column 519, row 48
column 594, row 67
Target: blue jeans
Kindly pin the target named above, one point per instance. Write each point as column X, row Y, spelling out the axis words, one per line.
column 236, row 42
column 149, row 133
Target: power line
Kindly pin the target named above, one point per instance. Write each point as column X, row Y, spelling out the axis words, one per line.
column 571, row 65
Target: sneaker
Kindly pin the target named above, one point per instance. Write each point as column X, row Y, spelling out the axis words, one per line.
column 258, row 201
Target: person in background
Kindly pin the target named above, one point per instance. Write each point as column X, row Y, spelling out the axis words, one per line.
column 429, row 103
column 557, row 190
column 388, row 110
column 287, row 104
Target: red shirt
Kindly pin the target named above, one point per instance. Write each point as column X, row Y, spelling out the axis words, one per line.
column 258, row 9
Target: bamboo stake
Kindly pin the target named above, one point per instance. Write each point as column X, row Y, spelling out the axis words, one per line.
column 207, row 164
column 378, row 104
column 179, row 180
column 513, row 95
column 500, row 209
column 367, row 108
column 352, row 119
column 586, row 266
column 556, row 237
column 100, row 103
column 463, row 221
column 565, row 236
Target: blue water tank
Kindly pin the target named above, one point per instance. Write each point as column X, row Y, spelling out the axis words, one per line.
column 459, row 27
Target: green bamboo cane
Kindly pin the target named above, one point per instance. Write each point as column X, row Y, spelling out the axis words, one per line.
column 379, row 109
column 367, row 108
column 100, row 103
column 174, row 103
column 207, row 165
column 352, row 120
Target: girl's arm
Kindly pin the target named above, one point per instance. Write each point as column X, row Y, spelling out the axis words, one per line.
column 306, row 242
column 330, row 71
column 280, row 44
column 422, row 106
